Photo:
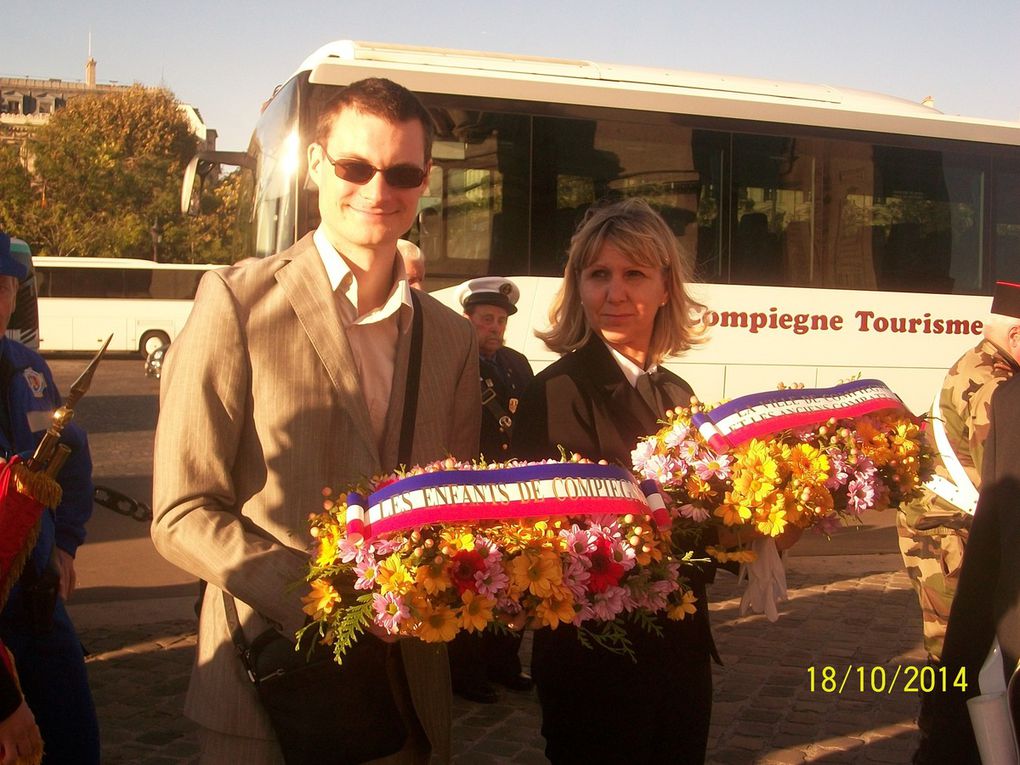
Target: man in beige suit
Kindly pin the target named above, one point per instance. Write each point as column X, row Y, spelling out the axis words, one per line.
column 290, row 376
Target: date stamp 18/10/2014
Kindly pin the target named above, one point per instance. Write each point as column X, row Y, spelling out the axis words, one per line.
column 905, row 678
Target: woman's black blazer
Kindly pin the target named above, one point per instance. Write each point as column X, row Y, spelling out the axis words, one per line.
column 584, row 403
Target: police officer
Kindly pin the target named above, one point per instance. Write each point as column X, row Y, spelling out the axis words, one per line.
column 933, row 529
column 488, row 302
column 479, row 660
column 34, row 624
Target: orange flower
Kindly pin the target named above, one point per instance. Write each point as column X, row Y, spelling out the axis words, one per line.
column 476, row 612
column 438, row 623
column 320, row 601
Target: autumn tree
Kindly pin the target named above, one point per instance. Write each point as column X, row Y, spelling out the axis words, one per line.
column 108, row 166
column 106, row 178
column 15, row 189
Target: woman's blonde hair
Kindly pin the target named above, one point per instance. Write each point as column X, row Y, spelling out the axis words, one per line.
column 638, row 231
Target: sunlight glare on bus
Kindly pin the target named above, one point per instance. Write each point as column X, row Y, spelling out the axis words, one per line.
column 290, row 158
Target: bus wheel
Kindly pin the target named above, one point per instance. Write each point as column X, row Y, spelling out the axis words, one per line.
column 151, row 341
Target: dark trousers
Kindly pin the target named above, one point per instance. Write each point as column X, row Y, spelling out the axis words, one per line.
column 476, row 658
column 599, row 707
column 51, row 669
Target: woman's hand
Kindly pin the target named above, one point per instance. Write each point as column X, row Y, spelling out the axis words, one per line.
column 19, row 737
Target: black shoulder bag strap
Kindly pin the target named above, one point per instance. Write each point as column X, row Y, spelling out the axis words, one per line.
column 413, row 382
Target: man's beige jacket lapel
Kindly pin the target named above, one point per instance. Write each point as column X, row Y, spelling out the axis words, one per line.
column 317, row 312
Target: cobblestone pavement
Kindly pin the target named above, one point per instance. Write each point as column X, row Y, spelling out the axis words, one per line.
column 853, row 614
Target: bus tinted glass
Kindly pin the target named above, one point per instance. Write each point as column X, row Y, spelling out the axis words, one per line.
column 140, row 283
column 507, row 190
column 1006, row 232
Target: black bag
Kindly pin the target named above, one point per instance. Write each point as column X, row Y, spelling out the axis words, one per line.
column 323, row 712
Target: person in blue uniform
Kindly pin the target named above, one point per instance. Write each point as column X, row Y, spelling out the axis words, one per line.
column 34, row 624
column 478, row 661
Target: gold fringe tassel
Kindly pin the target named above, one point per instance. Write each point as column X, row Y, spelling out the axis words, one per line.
column 38, row 486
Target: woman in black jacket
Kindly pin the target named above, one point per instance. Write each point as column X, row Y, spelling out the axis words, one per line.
column 623, row 307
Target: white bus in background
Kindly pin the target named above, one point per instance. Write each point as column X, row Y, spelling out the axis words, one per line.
column 83, row 300
column 836, row 232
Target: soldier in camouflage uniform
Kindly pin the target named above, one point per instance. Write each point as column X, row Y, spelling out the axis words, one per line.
column 932, row 529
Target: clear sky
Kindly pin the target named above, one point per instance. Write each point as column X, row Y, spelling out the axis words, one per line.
column 226, row 56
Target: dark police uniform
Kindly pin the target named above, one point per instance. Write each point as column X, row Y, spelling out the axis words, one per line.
column 504, row 376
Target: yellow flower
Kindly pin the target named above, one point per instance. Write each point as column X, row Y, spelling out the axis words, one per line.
column 906, row 439
column 556, row 609
column 679, row 611
column 454, row 540
column 758, row 460
column 393, row 576
column 438, row 623
column 476, row 611
column 328, row 538
column 320, row 601
column 774, row 525
column 753, row 485
column 537, row 571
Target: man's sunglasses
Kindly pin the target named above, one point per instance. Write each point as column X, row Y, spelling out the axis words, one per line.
column 361, row 172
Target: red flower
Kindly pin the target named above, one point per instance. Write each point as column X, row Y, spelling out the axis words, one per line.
column 605, row 572
column 463, row 566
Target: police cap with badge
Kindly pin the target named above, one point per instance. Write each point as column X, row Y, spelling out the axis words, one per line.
column 9, row 266
column 489, row 290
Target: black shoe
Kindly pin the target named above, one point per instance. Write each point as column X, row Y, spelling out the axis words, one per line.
column 516, row 682
column 483, row 693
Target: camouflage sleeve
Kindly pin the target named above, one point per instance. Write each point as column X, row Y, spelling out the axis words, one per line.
column 979, row 415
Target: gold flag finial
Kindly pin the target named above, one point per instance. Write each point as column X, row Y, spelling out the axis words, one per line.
column 47, row 449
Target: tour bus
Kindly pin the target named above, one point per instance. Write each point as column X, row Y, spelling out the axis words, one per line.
column 24, row 322
column 835, row 232
column 83, row 300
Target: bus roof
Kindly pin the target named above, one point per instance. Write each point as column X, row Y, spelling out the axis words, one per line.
column 50, row 261
column 550, row 80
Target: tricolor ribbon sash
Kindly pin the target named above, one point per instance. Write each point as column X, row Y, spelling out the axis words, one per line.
column 762, row 414
column 459, row 496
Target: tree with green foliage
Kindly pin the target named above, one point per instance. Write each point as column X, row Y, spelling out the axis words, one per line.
column 105, row 181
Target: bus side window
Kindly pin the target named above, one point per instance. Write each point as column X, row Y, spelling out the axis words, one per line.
column 137, row 283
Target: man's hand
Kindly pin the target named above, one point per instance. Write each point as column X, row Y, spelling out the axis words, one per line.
column 19, row 737
column 68, row 580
